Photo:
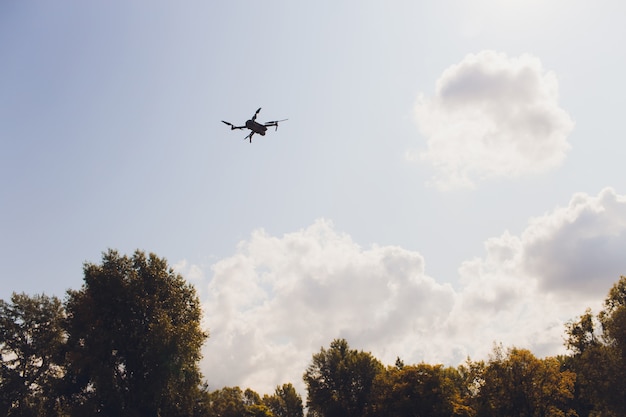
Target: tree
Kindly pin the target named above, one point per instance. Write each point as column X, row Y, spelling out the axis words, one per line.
column 339, row 381
column 417, row 390
column 233, row 402
column 613, row 319
column 31, row 349
column 227, row 402
column 134, row 339
column 582, row 334
column 599, row 360
column 285, row 402
column 255, row 407
column 517, row 384
column 591, row 361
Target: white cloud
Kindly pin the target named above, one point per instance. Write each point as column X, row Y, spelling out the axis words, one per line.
column 563, row 262
column 277, row 300
column 580, row 248
column 493, row 117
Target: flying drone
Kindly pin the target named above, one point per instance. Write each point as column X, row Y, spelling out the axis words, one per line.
column 255, row 126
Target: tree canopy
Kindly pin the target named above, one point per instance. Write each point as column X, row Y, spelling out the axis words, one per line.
column 599, row 356
column 516, row 383
column 339, row 380
column 134, row 338
column 127, row 343
column 32, row 352
column 422, row 390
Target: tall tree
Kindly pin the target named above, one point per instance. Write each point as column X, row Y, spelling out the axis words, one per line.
column 134, row 338
column 613, row 320
column 339, row 381
column 517, row 384
column 600, row 356
column 417, row 390
column 233, row 402
column 31, row 352
column 227, row 402
column 285, row 402
column 592, row 363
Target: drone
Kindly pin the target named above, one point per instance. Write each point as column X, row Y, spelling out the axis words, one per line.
column 255, row 126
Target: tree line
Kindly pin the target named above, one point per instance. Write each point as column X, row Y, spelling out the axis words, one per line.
column 128, row 343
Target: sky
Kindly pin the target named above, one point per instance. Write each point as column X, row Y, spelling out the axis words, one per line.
column 450, row 175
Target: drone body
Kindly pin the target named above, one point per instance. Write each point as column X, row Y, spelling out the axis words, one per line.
column 254, row 126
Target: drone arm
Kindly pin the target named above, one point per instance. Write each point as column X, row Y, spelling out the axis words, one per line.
column 274, row 123
column 232, row 126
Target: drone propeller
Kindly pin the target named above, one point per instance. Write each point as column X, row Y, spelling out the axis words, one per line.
column 255, row 114
column 232, row 126
column 274, row 123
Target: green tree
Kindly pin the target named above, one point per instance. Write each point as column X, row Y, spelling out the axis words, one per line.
column 339, row 381
column 259, row 410
column 134, row 339
column 613, row 320
column 233, row 402
column 31, row 349
column 582, row 334
column 517, row 384
column 591, row 361
column 285, row 402
column 227, row 402
column 417, row 390
column 255, row 407
column 599, row 358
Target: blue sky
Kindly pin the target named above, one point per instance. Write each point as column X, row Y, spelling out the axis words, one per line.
column 453, row 168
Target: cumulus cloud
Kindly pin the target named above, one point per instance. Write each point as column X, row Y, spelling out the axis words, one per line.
column 272, row 304
column 563, row 262
column 493, row 117
column 581, row 247
column 278, row 300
